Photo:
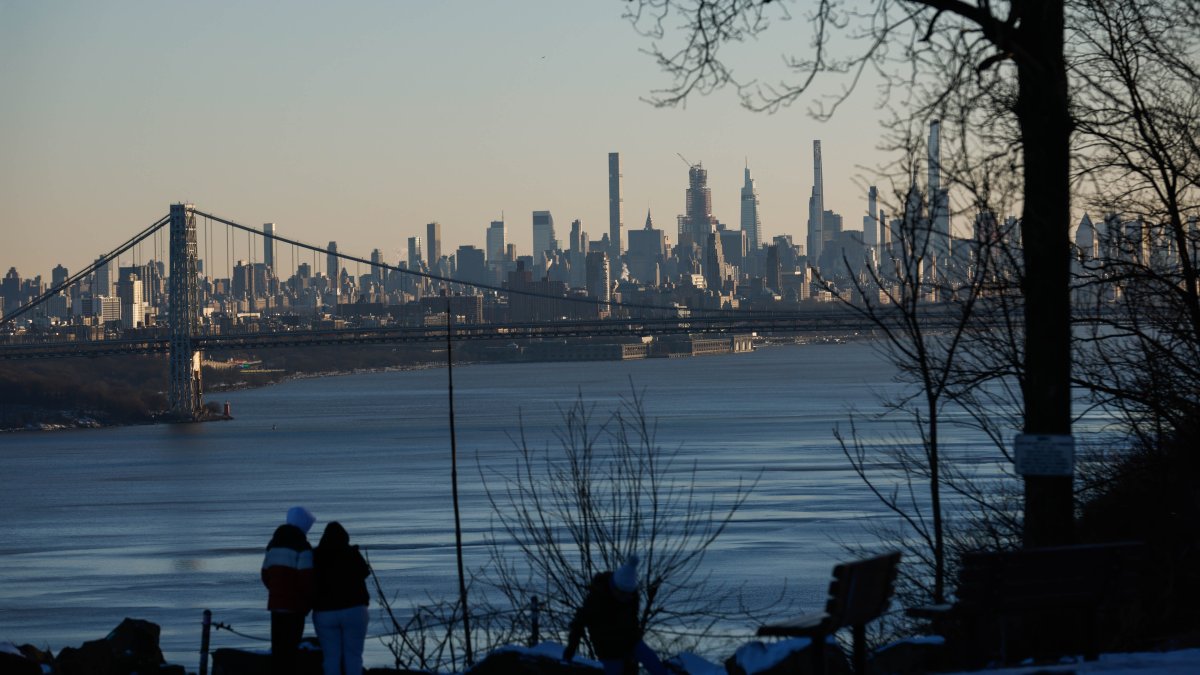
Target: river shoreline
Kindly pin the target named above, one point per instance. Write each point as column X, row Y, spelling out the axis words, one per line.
column 31, row 418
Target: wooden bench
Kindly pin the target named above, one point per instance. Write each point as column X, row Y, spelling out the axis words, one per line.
column 859, row 592
column 1040, row 603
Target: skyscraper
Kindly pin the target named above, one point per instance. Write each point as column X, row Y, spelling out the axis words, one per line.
column 331, row 263
column 614, row 204
column 870, row 224
column 497, row 246
column 598, row 278
column 102, row 284
column 647, row 253
column 816, row 210
column 269, row 245
column 698, row 222
column 939, row 200
column 433, row 240
column 714, row 262
column 750, row 220
column 543, row 233
column 414, row 253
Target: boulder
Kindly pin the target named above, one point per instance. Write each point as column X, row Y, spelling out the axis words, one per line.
column 131, row 647
column 18, row 664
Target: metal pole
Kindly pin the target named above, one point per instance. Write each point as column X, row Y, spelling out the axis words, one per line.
column 458, row 548
column 535, row 637
column 204, row 635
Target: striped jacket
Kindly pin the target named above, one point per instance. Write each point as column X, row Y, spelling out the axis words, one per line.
column 287, row 571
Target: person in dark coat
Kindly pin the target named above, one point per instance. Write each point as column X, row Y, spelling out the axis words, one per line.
column 340, row 604
column 287, row 572
column 610, row 616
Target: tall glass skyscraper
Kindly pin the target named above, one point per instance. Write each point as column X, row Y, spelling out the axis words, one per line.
column 614, row 205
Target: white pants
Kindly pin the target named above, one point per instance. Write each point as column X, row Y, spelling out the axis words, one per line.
column 342, row 633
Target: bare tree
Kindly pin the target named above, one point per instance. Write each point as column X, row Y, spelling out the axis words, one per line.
column 936, row 46
column 1139, row 121
column 606, row 491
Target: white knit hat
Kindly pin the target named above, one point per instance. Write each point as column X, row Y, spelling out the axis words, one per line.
column 301, row 518
column 626, row 577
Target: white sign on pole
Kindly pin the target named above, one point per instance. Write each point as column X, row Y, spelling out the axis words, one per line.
column 1045, row 454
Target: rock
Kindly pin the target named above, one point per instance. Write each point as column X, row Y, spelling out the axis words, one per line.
column 90, row 658
column 131, row 647
column 16, row 664
column 42, row 658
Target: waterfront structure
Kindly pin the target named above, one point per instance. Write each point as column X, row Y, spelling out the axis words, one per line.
column 433, row 240
column 816, row 210
column 614, row 205
column 268, row 230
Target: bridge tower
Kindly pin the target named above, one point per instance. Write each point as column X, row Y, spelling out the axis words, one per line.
column 184, row 315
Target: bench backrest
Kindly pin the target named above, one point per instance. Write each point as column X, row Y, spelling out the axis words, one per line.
column 861, row 590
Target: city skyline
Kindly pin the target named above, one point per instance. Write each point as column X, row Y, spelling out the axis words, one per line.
column 265, row 116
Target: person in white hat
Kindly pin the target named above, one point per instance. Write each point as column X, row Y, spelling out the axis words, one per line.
column 287, row 572
column 610, row 616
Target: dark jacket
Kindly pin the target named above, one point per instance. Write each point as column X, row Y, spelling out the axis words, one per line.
column 287, row 571
column 341, row 572
column 611, row 620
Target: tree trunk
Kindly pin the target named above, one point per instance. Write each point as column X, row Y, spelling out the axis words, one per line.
column 1043, row 114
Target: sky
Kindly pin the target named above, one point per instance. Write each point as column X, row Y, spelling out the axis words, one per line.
column 361, row 122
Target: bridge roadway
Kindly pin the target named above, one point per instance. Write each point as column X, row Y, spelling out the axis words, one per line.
column 800, row 322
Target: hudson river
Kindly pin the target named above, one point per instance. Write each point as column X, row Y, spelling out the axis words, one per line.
column 161, row 522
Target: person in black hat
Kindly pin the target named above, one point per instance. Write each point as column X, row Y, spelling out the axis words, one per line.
column 340, row 604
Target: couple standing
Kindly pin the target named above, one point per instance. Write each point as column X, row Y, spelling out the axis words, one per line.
column 330, row 580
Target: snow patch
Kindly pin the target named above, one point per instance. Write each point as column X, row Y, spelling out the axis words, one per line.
column 756, row 657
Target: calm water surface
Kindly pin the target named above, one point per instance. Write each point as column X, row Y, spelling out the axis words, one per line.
column 160, row 522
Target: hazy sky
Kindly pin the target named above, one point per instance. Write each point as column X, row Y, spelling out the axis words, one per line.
column 360, row 122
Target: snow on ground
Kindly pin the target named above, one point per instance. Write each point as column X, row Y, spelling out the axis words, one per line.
column 757, row 657
column 1179, row 662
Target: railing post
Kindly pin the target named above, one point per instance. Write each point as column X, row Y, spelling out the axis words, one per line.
column 535, row 637
column 205, row 631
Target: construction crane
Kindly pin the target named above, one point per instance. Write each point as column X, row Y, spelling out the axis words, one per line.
column 690, row 165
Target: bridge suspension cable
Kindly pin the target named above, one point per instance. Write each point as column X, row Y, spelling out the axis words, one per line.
column 100, row 262
column 475, row 284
